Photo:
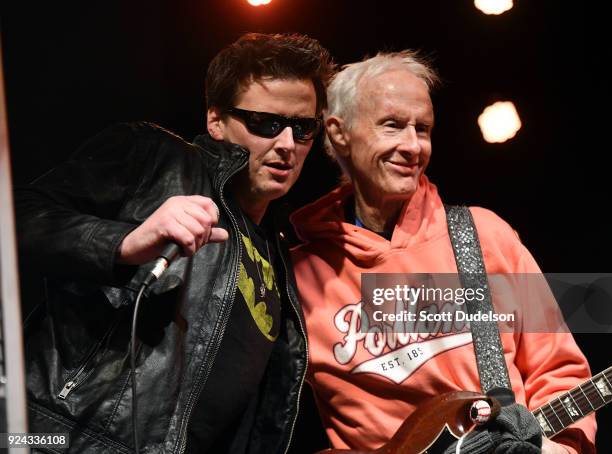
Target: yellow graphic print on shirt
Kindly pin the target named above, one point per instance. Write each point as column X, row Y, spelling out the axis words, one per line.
column 259, row 310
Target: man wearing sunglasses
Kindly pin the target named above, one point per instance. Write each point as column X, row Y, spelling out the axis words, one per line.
column 221, row 351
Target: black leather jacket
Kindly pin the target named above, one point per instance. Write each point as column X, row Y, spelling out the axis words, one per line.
column 70, row 223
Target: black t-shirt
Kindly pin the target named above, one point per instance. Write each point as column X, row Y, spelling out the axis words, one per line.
column 221, row 419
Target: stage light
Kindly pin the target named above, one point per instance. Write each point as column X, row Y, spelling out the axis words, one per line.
column 258, row 2
column 499, row 122
column 493, row 6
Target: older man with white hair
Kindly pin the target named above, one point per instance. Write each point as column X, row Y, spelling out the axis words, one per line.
column 389, row 218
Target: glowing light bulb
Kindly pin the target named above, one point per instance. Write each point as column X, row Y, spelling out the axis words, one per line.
column 493, row 6
column 499, row 122
column 258, row 2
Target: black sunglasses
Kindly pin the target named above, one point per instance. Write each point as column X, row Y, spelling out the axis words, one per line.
column 270, row 125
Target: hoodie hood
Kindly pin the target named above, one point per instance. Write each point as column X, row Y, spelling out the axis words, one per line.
column 324, row 220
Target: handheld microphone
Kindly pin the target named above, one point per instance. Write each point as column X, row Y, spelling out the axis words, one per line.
column 166, row 257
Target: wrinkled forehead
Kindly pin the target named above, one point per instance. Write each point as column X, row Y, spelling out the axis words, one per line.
column 397, row 91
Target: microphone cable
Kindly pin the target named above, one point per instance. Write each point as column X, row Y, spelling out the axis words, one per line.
column 133, row 351
column 170, row 252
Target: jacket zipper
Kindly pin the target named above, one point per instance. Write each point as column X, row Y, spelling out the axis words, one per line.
column 70, row 384
column 217, row 341
column 297, row 406
column 81, row 374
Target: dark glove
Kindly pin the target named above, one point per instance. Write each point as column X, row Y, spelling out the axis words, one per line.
column 514, row 431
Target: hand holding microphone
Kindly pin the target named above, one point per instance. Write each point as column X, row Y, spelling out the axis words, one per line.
column 181, row 224
column 187, row 221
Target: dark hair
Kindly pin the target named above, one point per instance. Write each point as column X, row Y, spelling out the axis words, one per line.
column 257, row 55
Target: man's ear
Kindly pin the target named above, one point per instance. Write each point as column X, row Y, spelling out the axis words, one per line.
column 214, row 123
column 337, row 134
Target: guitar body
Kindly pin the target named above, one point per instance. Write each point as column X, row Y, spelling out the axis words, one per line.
column 442, row 442
column 433, row 427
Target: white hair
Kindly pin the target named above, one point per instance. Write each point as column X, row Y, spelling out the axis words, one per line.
column 343, row 91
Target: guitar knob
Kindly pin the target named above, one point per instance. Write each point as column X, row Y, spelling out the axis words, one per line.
column 480, row 412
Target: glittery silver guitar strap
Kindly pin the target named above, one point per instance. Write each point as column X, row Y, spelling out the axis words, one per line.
column 492, row 368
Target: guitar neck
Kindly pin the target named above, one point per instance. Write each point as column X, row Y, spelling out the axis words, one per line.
column 575, row 404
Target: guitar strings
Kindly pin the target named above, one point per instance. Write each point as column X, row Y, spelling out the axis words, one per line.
column 555, row 410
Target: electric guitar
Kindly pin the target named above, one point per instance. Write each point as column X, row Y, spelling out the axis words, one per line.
column 437, row 424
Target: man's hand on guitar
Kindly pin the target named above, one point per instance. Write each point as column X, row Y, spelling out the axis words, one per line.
column 550, row 447
column 514, row 429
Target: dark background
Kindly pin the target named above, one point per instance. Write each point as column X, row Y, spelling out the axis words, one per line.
column 72, row 70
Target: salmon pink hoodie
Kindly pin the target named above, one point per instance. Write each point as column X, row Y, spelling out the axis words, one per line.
column 367, row 384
